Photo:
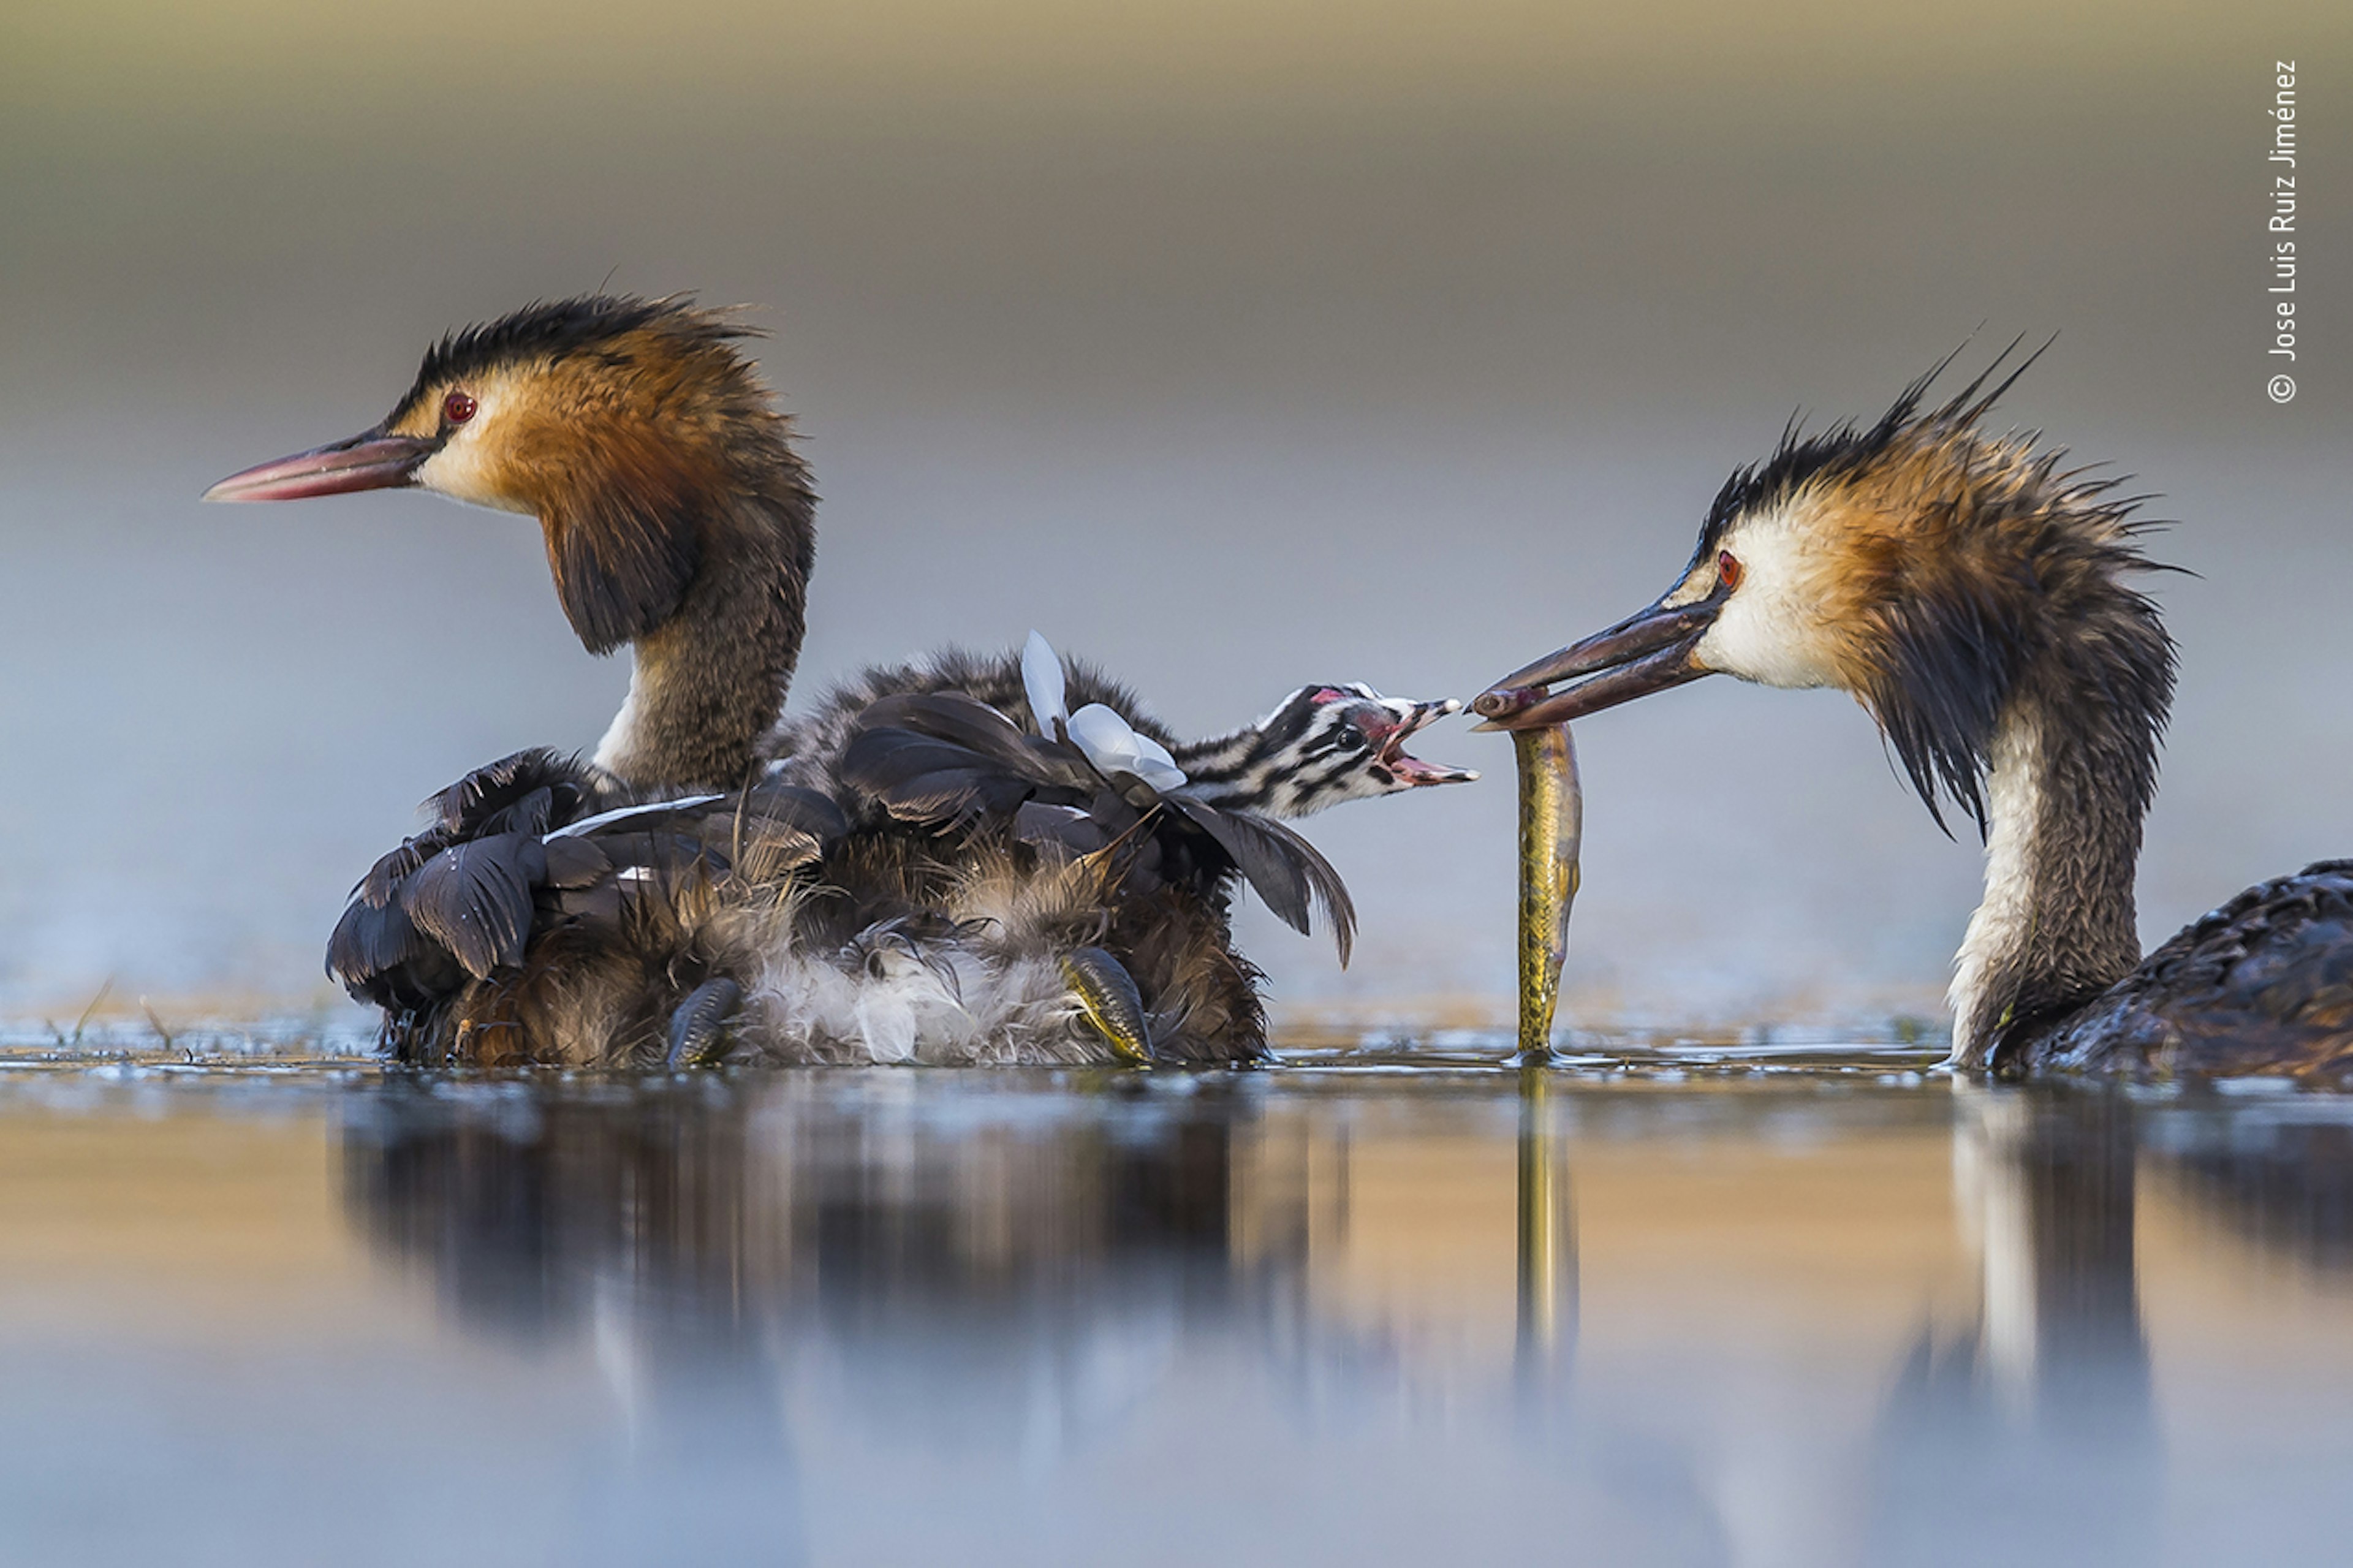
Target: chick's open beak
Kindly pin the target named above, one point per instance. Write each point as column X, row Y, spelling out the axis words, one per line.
column 1389, row 740
column 1649, row 651
column 370, row 460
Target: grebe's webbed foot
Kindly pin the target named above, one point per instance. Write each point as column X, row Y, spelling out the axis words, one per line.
column 698, row 1034
column 1107, row 997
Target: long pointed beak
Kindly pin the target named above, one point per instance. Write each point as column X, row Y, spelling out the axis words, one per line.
column 1649, row 651
column 370, row 460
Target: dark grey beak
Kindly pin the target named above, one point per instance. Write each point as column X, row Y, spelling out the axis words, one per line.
column 1649, row 651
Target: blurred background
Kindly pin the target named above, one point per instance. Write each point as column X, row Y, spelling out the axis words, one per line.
column 1231, row 346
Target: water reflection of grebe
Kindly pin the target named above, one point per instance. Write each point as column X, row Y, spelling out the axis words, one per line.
column 1009, row 1242
column 731, row 1215
column 725, row 1249
column 2275, row 1172
column 2030, row 1438
column 2033, row 1437
column 784, row 1279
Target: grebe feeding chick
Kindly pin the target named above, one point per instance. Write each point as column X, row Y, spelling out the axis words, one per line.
column 1976, row 597
column 906, row 873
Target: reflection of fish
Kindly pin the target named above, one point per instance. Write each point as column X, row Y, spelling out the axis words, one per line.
column 1552, row 831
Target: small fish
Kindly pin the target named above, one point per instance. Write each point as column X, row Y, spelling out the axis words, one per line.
column 1504, row 702
column 1552, row 833
column 697, row 1031
column 1107, row 996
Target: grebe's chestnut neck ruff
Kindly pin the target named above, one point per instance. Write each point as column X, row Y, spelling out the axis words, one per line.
column 677, row 517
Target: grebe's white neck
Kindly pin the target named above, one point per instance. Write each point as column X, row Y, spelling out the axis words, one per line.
column 2062, row 837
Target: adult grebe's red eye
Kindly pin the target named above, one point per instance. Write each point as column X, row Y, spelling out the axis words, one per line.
column 457, row 408
column 1727, row 570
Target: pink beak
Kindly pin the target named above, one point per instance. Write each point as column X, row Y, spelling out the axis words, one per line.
column 370, row 460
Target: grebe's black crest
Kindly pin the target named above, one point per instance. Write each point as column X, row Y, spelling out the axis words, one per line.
column 1848, row 449
column 554, row 331
column 1952, row 560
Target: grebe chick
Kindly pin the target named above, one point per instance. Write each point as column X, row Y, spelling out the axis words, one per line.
column 1063, row 849
column 1324, row 744
column 1976, row 599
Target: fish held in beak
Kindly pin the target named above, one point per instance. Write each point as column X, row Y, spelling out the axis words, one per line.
column 1552, row 834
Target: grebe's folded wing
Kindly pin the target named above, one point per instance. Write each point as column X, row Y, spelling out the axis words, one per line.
column 946, row 757
column 1286, row 871
column 517, row 847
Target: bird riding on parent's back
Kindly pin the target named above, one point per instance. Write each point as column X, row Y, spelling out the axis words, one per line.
column 1979, row 599
column 922, row 867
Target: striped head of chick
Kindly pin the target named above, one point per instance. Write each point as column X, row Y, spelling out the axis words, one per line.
column 1323, row 745
column 633, row 429
column 1923, row 564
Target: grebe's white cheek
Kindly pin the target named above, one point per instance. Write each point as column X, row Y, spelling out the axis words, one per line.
column 464, row 468
column 1761, row 637
column 1770, row 629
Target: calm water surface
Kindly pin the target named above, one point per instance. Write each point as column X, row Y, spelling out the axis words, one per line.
column 1795, row 1308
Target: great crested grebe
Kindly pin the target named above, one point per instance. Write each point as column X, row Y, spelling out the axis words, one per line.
column 1975, row 596
column 716, row 860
